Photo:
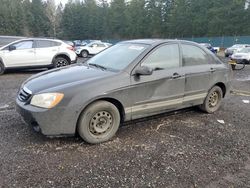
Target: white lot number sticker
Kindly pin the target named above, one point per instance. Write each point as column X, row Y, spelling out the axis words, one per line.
column 139, row 48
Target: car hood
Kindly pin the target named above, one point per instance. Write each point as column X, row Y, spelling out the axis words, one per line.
column 63, row 76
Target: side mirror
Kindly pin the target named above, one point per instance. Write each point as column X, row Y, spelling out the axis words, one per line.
column 11, row 48
column 143, row 70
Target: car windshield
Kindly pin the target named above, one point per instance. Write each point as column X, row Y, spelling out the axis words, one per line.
column 118, row 56
column 245, row 50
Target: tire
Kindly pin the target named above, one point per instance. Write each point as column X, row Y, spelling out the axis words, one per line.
column 60, row 62
column 84, row 53
column 2, row 68
column 213, row 100
column 99, row 122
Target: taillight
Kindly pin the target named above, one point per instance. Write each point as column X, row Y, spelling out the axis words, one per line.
column 71, row 48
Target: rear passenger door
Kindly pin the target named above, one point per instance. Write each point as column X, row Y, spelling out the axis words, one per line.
column 45, row 51
column 197, row 68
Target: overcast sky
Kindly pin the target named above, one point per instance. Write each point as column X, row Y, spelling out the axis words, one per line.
column 61, row 1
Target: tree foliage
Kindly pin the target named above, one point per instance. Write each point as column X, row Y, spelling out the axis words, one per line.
column 124, row 19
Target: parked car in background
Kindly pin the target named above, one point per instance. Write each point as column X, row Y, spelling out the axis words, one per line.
column 209, row 46
column 83, row 42
column 243, row 56
column 36, row 53
column 69, row 43
column 130, row 80
column 235, row 48
column 91, row 48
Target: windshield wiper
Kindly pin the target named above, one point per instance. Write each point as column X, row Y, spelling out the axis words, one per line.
column 98, row 66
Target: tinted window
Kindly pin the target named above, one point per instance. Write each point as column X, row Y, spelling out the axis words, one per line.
column 100, row 45
column 46, row 43
column 23, row 45
column 193, row 55
column 53, row 43
column 164, row 57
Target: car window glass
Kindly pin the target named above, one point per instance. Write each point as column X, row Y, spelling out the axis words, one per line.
column 164, row 57
column 43, row 44
column 118, row 56
column 101, row 45
column 46, row 44
column 192, row 55
column 53, row 43
column 23, row 45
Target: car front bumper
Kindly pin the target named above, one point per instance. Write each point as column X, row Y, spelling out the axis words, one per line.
column 50, row 122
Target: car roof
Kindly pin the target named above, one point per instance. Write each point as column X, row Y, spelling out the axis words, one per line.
column 155, row 41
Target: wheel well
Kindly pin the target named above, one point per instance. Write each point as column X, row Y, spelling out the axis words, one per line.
column 63, row 56
column 118, row 105
column 223, row 88
column 85, row 51
column 115, row 102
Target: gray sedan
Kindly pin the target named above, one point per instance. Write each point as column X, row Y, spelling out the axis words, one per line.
column 130, row 80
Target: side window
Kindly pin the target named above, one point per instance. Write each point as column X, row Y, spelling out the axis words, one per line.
column 23, row 45
column 164, row 57
column 43, row 44
column 101, row 45
column 53, row 43
column 192, row 55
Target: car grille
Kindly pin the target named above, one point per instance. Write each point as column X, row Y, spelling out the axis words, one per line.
column 24, row 95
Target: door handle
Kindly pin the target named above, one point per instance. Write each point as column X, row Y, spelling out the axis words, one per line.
column 176, row 75
column 212, row 69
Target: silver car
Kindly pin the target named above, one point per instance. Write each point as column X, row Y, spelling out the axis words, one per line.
column 130, row 80
column 234, row 49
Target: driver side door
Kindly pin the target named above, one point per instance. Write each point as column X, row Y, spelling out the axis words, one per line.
column 23, row 54
column 163, row 90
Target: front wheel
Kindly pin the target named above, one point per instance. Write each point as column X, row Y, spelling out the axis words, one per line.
column 213, row 100
column 99, row 122
column 60, row 62
column 2, row 68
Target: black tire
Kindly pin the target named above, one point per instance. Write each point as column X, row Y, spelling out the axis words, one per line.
column 213, row 100
column 226, row 55
column 84, row 53
column 60, row 62
column 99, row 122
column 233, row 67
column 2, row 68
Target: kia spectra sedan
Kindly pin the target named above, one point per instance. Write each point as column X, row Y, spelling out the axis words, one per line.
column 130, row 80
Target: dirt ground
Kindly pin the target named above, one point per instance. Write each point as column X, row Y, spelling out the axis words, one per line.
column 187, row 148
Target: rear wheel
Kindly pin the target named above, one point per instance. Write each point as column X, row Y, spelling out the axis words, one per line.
column 213, row 100
column 60, row 62
column 84, row 53
column 99, row 122
column 2, row 68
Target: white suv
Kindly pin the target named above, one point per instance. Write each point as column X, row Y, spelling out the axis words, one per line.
column 36, row 53
column 92, row 48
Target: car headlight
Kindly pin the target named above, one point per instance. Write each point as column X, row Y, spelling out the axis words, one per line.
column 46, row 100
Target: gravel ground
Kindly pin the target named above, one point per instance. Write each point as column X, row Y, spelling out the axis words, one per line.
column 187, row 148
